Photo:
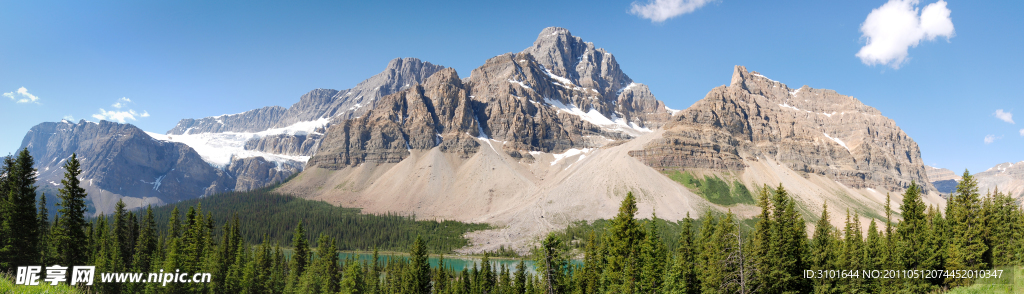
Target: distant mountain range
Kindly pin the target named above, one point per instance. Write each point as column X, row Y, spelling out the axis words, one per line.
column 528, row 141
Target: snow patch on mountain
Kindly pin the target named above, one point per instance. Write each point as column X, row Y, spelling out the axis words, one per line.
column 595, row 117
column 219, row 148
column 841, row 143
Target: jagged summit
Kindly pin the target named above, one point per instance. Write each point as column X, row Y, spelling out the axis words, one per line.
column 569, row 57
column 400, row 73
column 808, row 130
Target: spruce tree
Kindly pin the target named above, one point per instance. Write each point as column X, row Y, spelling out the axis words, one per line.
column 5, row 205
column 935, row 255
column 966, row 245
column 653, row 256
column 21, row 223
column 682, row 277
column 44, row 232
column 590, row 280
column 787, row 246
column 872, row 259
column 552, row 264
column 419, row 271
column 352, row 283
column 520, row 280
column 912, row 238
column 301, row 255
column 70, row 228
column 823, row 253
column 852, row 254
column 623, row 243
column 1003, row 224
column 487, row 279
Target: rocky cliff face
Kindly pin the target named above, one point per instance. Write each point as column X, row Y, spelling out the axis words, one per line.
column 1006, row 177
column 320, row 103
column 808, row 130
column 572, row 96
column 436, row 113
column 122, row 161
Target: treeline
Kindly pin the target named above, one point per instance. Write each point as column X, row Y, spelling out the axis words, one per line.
column 266, row 214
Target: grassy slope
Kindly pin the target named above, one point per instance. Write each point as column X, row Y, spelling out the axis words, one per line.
column 713, row 188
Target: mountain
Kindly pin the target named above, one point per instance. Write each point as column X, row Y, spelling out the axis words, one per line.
column 236, row 152
column 1006, row 177
column 291, row 136
column 531, row 141
column 120, row 161
column 944, row 180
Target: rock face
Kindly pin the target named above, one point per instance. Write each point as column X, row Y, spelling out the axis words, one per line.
column 1006, row 177
column 808, row 130
column 936, row 174
column 436, row 113
column 944, row 180
column 568, row 58
column 561, row 93
column 122, row 160
column 320, row 103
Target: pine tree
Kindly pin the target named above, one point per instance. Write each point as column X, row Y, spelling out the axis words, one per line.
column 419, row 271
column 852, row 255
column 707, row 255
column 5, row 206
column 966, row 246
column 787, row 247
column 122, row 233
column 352, row 283
column 623, row 243
column 872, row 255
column 70, row 229
column 20, row 219
column 935, row 256
column 726, row 268
column 520, row 283
column 44, row 232
column 301, row 255
column 487, row 279
column 552, row 264
column 1003, row 223
column 653, row 255
column 145, row 248
column 912, row 237
column 682, row 278
column 823, row 253
column 590, row 280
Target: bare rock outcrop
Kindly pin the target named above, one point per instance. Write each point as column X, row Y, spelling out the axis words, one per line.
column 438, row 112
column 401, row 73
column 808, row 130
column 561, row 93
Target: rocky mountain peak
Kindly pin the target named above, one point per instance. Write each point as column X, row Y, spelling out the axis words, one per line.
column 808, row 130
column 569, row 57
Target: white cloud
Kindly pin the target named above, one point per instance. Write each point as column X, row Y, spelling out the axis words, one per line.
column 661, row 10
column 26, row 97
column 120, row 115
column 69, row 118
column 991, row 138
column 1022, row 132
column 121, row 102
column 896, row 26
column 1004, row 116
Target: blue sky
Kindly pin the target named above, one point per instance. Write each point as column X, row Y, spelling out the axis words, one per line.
column 192, row 59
